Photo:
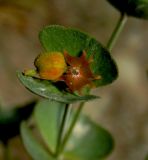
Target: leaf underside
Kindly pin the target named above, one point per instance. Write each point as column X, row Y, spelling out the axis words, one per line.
column 47, row 90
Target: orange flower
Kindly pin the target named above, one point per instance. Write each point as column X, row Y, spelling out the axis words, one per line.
column 50, row 66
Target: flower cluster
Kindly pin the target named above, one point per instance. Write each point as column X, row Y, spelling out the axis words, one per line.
column 74, row 71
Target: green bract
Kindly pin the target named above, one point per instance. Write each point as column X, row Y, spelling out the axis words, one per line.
column 48, row 90
column 136, row 8
column 56, row 38
column 59, row 38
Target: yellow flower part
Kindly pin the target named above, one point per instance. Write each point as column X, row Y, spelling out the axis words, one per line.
column 50, row 66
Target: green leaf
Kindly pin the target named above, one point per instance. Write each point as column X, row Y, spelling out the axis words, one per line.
column 136, row 8
column 47, row 116
column 59, row 38
column 88, row 141
column 34, row 148
column 10, row 120
column 46, row 89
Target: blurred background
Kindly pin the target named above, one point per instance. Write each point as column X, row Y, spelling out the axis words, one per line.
column 123, row 107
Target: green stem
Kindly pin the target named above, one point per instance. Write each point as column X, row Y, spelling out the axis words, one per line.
column 76, row 116
column 120, row 24
column 110, row 44
column 61, row 129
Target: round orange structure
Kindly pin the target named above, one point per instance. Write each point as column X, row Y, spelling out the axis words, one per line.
column 50, row 66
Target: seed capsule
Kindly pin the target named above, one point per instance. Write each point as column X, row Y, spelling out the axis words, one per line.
column 78, row 72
